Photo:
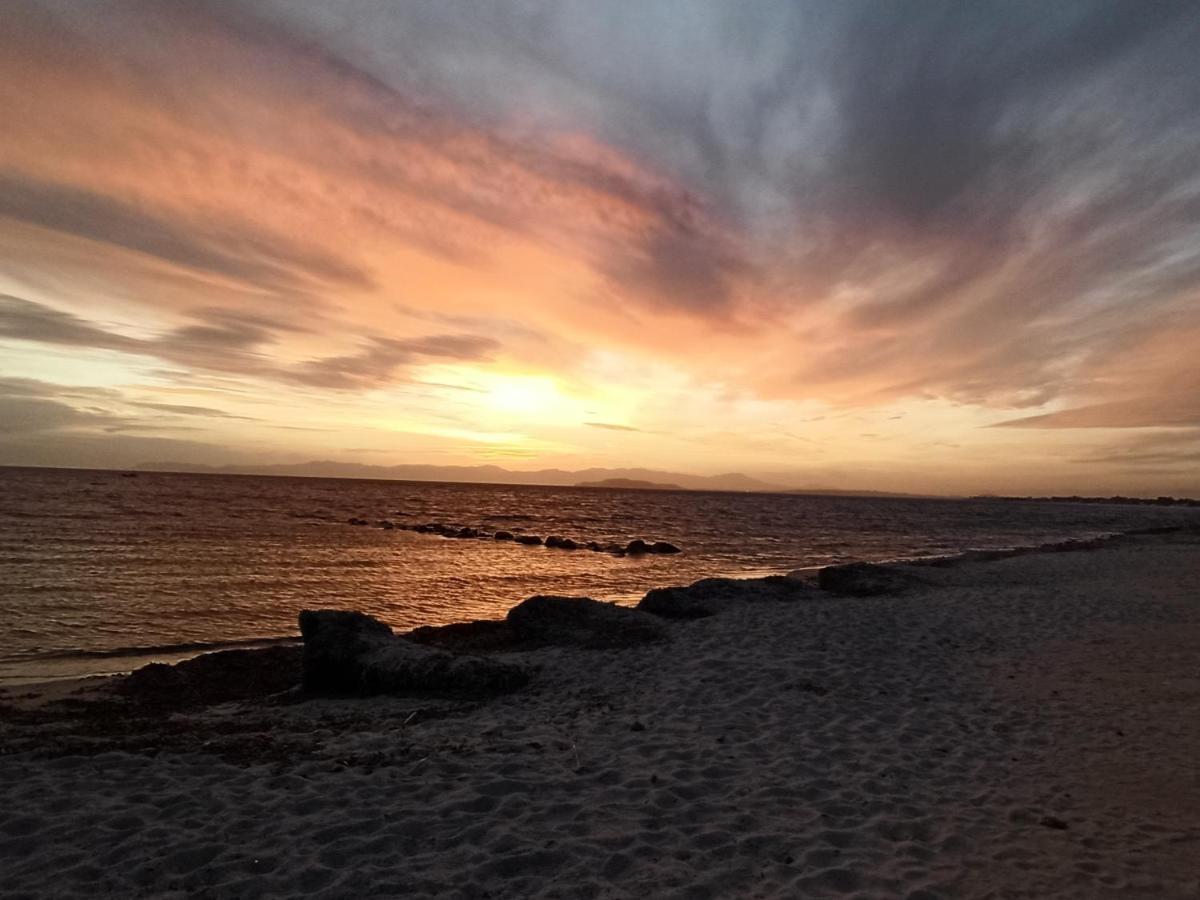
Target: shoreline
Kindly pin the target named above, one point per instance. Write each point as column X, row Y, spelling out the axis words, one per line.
column 180, row 653
column 1023, row 727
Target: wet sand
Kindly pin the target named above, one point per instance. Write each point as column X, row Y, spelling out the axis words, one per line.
column 1020, row 727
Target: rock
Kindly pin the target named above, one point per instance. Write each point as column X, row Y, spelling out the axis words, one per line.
column 561, row 543
column 223, row 676
column 480, row 636
column 713, row 595
column 664, row 547
column 865, row 580
column 350, row 652
column 466, row 532
column 595, row 546
column 357, row 521
column 1054, row 822
column 503, row 536
column 637, row 546
column 614, row 549
column 386, row 524
column 583, row 622
column 553, row 540
column 530, row 539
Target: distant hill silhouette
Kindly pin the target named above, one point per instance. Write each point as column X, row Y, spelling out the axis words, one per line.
column 630, row 484
column 484, row 474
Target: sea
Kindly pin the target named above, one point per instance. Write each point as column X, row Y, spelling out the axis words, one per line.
column 103, row 571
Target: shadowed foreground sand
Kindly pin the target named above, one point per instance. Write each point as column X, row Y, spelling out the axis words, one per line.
column 1027, row 727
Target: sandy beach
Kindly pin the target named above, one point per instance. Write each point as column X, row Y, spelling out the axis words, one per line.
column 1022, row 727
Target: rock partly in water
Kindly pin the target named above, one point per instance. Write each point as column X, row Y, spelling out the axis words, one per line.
column 561, row 543
column 866, row 580
column 583, row 622
column 503, row 536
column 664, row 547
column 353, row 653
column 530, row 539
column 713, row 595
column 357, row 521
column 637, row 546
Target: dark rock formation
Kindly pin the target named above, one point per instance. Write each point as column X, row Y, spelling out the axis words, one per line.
column 636, row 547
column 386, row 524
column 713, row 595
column 223, row 676
column 865, row 580
column 527, row 539
column 357, row 521
column 349, row 652
column 583, row 622
column 561, row 543
column 480, row 636
column 664, row 547
column 503, row 536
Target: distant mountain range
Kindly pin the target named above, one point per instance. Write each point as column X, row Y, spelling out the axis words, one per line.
column 645, row 479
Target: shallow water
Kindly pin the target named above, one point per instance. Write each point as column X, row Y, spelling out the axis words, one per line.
column 101, row 572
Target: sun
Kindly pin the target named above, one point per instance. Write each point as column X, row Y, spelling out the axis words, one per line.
column 526, row 395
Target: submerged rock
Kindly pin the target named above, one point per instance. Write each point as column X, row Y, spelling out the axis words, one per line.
column 713, row 595
column 357, row 521
column 866, row 580
column 583, row 622
column 351, row 652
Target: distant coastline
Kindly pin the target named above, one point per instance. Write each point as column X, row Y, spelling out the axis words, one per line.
column 1116, row 500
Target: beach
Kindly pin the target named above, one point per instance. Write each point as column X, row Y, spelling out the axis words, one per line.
column 1016, row 727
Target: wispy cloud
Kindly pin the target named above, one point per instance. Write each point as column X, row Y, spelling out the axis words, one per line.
column 239, row 344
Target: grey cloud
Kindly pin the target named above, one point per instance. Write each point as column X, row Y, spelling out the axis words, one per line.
column 234, row 249
column 230, row 342
column 611, row 426
column 30, row 415
column 29, row 321
column 377, row 362
column 185, row 410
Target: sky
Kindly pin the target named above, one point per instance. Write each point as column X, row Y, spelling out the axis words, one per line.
column 919, row 246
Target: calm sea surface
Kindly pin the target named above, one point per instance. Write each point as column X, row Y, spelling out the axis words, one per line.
column 101, row 572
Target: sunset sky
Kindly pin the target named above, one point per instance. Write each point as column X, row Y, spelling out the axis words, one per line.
column 944, row 247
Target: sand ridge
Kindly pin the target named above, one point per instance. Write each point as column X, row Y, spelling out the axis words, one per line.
column 959, row 741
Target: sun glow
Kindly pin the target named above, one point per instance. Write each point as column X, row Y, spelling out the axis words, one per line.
column 527, row 395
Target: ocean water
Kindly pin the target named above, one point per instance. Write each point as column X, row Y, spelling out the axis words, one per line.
column 100, row 572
